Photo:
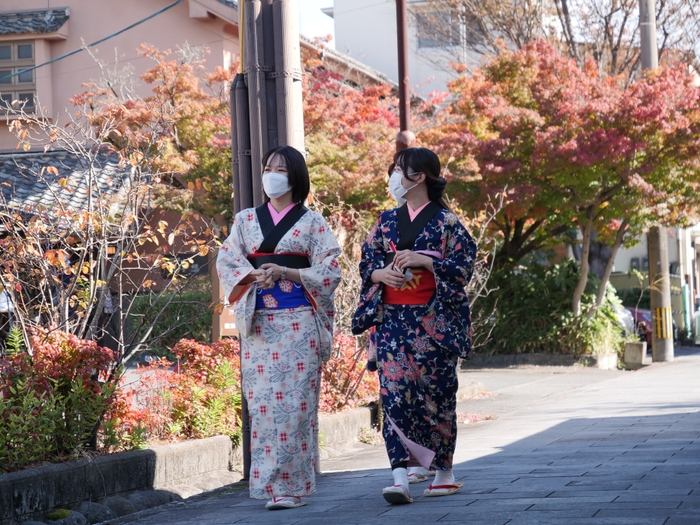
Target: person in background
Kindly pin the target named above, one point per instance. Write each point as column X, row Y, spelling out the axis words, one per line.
column 279, row 268
column 415, row 266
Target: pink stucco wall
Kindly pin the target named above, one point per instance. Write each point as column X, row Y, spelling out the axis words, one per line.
column 196, row 22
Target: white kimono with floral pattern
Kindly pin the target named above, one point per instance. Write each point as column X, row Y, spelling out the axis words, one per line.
column 281, row 353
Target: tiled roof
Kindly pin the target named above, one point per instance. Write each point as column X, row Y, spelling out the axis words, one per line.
column 230, row 3
column 44, row 21
column 27, row 186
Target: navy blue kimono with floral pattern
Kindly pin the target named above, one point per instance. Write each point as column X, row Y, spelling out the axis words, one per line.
column 417, row 346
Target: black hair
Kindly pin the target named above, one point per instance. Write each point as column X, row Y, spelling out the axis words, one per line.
column 297, row 172
column 423, row 160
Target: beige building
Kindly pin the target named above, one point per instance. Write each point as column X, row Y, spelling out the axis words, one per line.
column 33, row 32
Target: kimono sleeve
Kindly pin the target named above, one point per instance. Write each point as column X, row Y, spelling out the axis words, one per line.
column 455, row 270
column 232, row 267
column 369, row 311
column 322, row 278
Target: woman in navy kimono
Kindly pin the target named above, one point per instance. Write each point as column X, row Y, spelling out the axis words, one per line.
column 415, row 266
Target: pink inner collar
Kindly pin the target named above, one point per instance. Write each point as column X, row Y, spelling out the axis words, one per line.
column 413, row 214
column 278, row 216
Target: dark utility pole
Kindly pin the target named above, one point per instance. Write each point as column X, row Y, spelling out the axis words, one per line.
column 405, row 138
column 657, row 238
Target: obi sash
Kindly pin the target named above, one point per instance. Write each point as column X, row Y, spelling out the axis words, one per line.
column 285, row 293
column 418, row 290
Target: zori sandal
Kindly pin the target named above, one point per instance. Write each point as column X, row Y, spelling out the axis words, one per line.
column 417, row 477
column 397, row 495
column 442, row 490
column 286, row 502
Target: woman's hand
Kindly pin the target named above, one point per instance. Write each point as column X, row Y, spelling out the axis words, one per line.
column 389, row 276
column 409, row 259
column 253, row 277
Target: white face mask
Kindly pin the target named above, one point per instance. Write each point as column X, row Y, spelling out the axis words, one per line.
column 275, row 184
column 396, row 188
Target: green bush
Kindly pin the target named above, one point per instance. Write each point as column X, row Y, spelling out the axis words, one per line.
column 533, row 313
column 51, row 401
column 630, row 297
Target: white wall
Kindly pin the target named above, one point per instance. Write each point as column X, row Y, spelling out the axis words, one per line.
column 366, row 30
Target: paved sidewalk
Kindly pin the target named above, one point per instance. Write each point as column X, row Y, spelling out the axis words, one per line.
column 568, row 446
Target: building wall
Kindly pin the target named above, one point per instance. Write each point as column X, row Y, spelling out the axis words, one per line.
column 624, row 257
column 366, row 30
column 91, row 20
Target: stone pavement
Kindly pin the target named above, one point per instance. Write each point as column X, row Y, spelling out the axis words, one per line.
column 568, row 446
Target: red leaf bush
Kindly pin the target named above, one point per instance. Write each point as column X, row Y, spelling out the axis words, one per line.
column 346, row 383
column 196, row 396
column 52, row 399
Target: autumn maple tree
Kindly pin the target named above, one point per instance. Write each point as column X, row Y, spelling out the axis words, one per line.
column 606, row 31
column 572, row 149
column 349, row 134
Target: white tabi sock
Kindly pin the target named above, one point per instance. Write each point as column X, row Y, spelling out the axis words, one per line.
column 444, row 477
column 400, row 477
column 417, row 470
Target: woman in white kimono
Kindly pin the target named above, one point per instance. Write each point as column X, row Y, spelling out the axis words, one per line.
column 279, row 268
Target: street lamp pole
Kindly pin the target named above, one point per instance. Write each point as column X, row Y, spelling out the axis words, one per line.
column 405, row 138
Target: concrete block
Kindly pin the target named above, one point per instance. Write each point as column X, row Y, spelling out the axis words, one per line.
column 29, row 493
column 342, row 429
column 636, row 354
column 607, row 361
column 188, row 459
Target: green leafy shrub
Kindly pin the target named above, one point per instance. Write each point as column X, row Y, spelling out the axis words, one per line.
column 533, row 313
column 52, row 400
column 631, row 297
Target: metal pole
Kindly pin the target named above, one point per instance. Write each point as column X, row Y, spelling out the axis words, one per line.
column 402, row 34
column 245, row 171
column 405, row 138
column 288, row 74
column 235, row 168
column 255, row 70
column 270, row 37
column 647, row 28
column 660, row 295
column 657, row 238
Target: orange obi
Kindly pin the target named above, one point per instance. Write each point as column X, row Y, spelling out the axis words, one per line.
column 418, row 290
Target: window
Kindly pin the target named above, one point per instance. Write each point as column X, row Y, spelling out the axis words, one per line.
column 25, row 52
column 17, row 85
column 440, row 28
column 5, row 101
column 437, row 28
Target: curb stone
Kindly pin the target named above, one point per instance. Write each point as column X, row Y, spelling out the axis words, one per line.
column 604, row 361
